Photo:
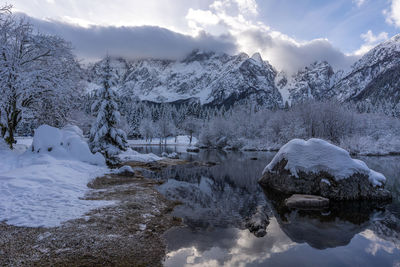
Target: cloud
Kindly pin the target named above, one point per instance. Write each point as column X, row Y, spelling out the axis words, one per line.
column 229, row 26
column 370, row 41
column 238, row 18
column 359, row 2
column 289, row 55
column 93, row 42
column 393, row 13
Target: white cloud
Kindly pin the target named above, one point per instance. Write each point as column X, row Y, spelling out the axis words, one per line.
column 94, row 42
column 238, row 18
column 359, row 2
column 237, row 21
column 393, row 13
column 369, row 37
column 370, row 41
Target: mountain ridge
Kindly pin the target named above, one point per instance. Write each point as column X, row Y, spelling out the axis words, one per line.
column 219, row 79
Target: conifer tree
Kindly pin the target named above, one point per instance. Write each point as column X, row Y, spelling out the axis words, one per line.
column 105, row 136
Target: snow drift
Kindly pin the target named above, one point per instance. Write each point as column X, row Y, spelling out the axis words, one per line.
column 66, row 143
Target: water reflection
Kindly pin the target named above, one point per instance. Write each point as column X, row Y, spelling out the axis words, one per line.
column 224, row 246
column 219, row 198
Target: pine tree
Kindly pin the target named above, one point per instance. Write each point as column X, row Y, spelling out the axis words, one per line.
column 105, row 137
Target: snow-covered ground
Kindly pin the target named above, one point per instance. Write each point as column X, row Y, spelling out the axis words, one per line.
column 179, row 140
column 44, row 179
column 44, row 188
column 132, row 155
column 368, row 145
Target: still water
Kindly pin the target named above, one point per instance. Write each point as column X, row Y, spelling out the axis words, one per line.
column 217, row 200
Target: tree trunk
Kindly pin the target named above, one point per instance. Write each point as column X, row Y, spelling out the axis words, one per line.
column 13, row 118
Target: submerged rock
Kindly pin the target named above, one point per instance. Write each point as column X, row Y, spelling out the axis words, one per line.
column 193, row 149
column 317, row 167
column 306, row 201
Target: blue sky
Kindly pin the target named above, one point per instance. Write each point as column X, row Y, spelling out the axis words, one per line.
column 288, row 33
column 340, row 21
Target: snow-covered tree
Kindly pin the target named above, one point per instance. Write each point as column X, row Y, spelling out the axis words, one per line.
column 105, row 136
column 33, row 68
column 191, row 125
column 147, row 129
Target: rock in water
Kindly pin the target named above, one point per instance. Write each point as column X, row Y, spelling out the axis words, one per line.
column 316, row 167
column 193, row 149
column 258, row 222
column 306, row 201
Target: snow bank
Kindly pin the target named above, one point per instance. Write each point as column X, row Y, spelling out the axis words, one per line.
column 316, row 155
column 179, row 140
column 44, row 185
column 66, row 143
column 132, row 155
column 386, row 144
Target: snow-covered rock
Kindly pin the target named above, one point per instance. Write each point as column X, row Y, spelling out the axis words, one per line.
column 66, row 143
column 320, row 168
column 125, row 170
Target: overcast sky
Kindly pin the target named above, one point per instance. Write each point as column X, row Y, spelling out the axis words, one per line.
column 287, row 33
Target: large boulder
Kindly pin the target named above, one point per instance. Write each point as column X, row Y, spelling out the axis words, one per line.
column 317, row 167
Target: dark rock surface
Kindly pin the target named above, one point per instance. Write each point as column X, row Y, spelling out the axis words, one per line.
column 306, row 201
column 355, row 187
column 258, row 222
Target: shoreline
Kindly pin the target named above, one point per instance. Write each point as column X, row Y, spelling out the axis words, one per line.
column 128, row 233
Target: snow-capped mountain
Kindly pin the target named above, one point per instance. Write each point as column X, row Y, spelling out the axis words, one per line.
column 220, row 79
column 311, row 82
column 375, row 77
column 212, row 78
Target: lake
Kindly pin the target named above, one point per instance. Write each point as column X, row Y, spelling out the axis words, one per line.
column 217, row 200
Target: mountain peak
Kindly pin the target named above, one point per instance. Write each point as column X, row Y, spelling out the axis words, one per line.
column 198, row 55
column 257, row 57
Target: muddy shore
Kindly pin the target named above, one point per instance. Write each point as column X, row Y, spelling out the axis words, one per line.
column 127, row 233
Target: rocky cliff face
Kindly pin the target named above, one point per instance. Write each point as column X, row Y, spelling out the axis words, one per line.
column 374, row 77
column 213, row 79
column 311, row 82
